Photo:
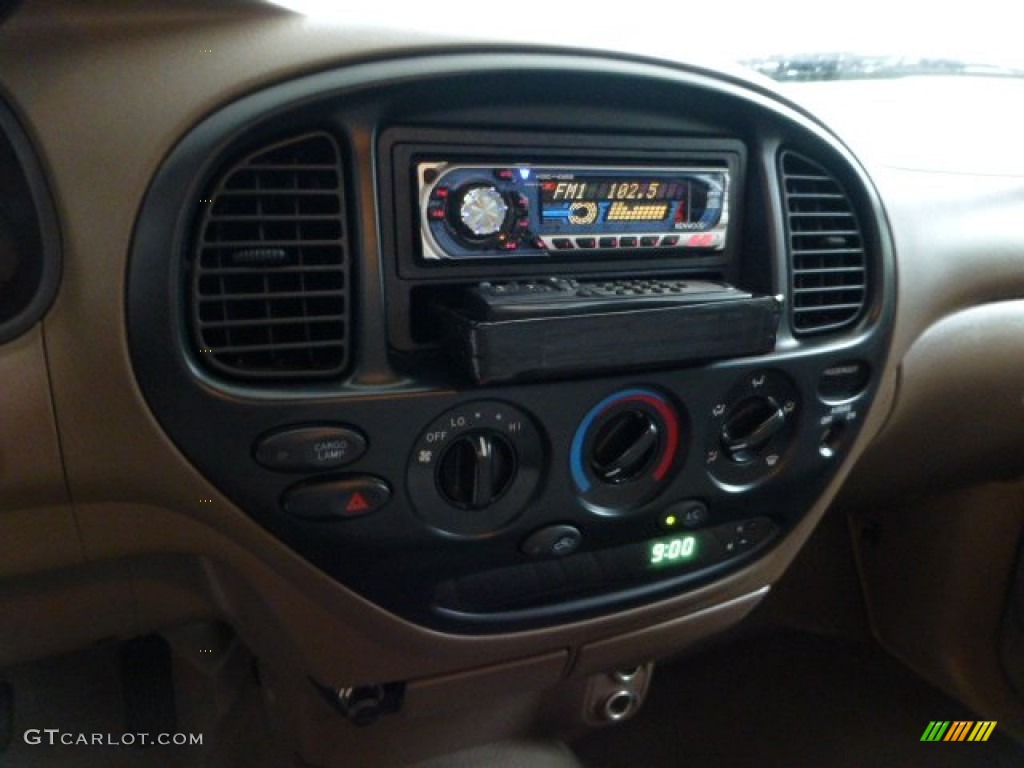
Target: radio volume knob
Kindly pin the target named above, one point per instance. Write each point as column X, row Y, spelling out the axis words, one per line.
column 483, row 211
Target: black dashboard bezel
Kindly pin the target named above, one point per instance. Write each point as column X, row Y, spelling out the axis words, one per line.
column 357, row 102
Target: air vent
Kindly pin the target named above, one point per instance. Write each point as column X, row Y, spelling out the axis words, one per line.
column 30, row 261
column 826, row 248
column 269, row 283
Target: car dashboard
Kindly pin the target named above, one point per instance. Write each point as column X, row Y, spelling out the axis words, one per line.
column 433, row 365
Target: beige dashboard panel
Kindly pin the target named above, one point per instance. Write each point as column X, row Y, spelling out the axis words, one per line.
column 37, row 528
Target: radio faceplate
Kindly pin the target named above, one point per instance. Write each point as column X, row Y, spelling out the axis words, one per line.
column 486, row 211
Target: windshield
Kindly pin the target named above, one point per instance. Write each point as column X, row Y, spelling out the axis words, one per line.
column 794, row 40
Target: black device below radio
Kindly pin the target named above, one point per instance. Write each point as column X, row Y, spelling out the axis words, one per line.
column 511, row 300
column 561, row 326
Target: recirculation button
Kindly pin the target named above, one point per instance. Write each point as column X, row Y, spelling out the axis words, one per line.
column 552, row 541
column 310, row 449
column 338, row 499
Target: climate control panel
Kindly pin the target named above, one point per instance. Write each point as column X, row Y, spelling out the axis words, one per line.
column 520, row 505
column 562, row 498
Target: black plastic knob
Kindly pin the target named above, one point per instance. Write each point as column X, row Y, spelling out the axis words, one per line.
column 625, row 447
column 750, row 426
column 476, row 469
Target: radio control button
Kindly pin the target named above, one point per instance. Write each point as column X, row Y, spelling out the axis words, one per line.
column 586, row 242
column 504, row 174
column 436, row 212
column 522, row 202
column 627, row 242
column 562, row 243
column 440, row 193
column 670, row 240
column 509, row 245
column 648, row 241
column 608, row 242
column 522, row 223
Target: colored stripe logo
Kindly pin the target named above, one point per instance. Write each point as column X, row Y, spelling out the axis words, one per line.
column 958, row 730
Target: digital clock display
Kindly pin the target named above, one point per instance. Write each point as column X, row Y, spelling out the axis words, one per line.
column 673, row 550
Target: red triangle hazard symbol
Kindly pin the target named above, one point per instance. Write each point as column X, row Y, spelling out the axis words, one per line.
column 357, row 503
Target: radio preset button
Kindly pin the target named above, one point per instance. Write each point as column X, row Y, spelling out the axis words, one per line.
column 608, row 242
column 648, row 241
column 627, row 242
column 562, row 243
column 586, row 242
column 670, row 240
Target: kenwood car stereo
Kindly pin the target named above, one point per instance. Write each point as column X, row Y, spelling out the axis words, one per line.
column 511, row 210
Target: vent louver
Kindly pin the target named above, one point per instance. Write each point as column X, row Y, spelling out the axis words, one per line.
column 269, row 283
column 826, row 249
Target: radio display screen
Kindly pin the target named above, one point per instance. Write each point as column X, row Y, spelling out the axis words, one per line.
column 612, row 189
column 601, row 204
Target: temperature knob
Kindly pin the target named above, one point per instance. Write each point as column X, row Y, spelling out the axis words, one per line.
column 483, row 211
column 625, row 450
column 625, row 447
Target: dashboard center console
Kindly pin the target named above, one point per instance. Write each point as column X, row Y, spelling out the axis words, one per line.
column 495, row 367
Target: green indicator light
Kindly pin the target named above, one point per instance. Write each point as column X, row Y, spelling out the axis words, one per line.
column 674, row 550
column 670, row 521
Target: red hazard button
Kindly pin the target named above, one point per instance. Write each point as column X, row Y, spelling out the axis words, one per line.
column 357, row 504
column 338, row 499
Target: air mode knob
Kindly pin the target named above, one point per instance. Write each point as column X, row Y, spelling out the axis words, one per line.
column 482, row 211
column 750, row 426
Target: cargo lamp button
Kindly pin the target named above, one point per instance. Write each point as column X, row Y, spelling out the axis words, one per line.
column 310, row 449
